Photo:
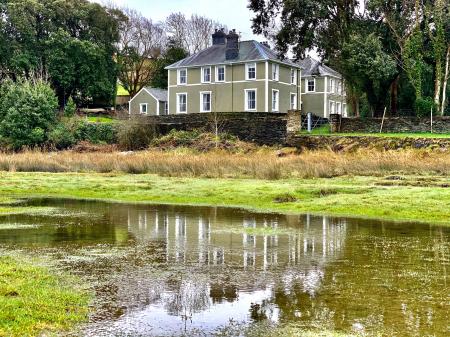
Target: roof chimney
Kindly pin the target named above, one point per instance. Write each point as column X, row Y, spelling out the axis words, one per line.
column 219, row 37
column 232, row 51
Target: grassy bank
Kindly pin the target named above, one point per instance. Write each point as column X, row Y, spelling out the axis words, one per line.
column 262, row 163
column 425, row 199
column 35, row 302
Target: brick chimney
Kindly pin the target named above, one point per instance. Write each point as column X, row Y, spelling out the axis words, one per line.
column 232, row 51
column 219, row 37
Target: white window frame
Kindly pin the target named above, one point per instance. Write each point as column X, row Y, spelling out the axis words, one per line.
column 293, row 78
column 178, row 102
column 275, row 72
column 293, row 106
column 307, row 85
column 332, row 86
column 146, row 108
column 179, row 76
column 166, row 108
column 224, row 73
column 246, row 99
column 331, row 107
column 344, row 109
column 338, row 108
column 201, row 101
column 203, row 75
column 276, row 108
column 339, row 87
column 247, row 67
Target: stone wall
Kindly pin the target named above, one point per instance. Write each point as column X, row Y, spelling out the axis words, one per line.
column 395, row 125
column 261, row 128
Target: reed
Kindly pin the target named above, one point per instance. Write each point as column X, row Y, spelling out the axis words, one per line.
column 261, row 164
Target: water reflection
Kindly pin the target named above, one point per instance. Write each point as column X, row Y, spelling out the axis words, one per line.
column 165, row 270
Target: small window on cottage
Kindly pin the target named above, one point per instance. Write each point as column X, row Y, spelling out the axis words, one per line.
column 311, row 85
column 275, row 100
column 251, row 71
column 182, row 76
column 143, row 108
column 293, row 76
column 293, row 101
column 220, row 74
column 275, row 72
column 250, row 99
column 206, row 74
column 205, row 101
column 181, row 103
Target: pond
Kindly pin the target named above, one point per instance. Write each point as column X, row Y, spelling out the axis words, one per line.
column 199, row 271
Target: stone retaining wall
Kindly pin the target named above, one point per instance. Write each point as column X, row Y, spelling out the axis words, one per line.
column 395, row 125
column 261, row 128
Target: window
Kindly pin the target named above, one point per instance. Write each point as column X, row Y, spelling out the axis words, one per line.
column 293, row 76
column 220, row 73
column 344, row 109
column 181, row 103
column 331, row 86
column 275, row 72
column 250, row 99
column 275, row 100
column 339, row 88
column 143, row 108
column 338, row 108
column 332, row 107
column 206, row 74
column 311, row 85
column 205, row 101
column 293, row 101
column 182, row 76
column 251, row 71
column 166, row 108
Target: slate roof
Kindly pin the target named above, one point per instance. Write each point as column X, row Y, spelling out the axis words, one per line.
column 248, row 51
column 313, row 67
column 159, row 94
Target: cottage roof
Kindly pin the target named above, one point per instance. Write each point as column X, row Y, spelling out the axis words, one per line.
column 248, row 51
column 313, row 67
column 158, row 94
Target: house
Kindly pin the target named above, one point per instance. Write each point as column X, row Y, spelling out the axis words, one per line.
column 233, row 76
column 323, row 90
column 149, row 101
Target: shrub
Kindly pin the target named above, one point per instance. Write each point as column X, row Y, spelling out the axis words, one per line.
column 27, row 112
column 61, row 137
column 423, row 107
column 96, row 133
column 71, row 108
column 134, row 135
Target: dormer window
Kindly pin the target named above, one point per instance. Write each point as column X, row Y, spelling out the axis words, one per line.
column 182, row 76
column 250, row 71
column 206, row 74
column 275, row 72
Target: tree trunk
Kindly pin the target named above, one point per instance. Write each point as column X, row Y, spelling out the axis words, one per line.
column 394, row 96
column 444, row 84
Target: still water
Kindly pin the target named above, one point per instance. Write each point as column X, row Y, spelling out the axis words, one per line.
column 197, row 271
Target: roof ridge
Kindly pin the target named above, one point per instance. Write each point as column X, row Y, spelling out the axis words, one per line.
column 258, row 46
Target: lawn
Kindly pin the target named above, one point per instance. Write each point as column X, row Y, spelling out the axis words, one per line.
column 100, row 119
column 35, row 301
column 422, row 199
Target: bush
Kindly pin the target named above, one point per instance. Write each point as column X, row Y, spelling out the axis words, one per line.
column 423, row 107
column 134, row 135
column 61, row 137
column 27, row 113
column 70, row 108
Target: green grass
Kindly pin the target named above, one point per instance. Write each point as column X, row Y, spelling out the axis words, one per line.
column 35, row 302
column 423, row 199
column 121, row 91
column 325, row 131
column 96, row 119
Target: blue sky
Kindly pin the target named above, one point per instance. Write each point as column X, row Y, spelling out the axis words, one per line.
column 232, row 13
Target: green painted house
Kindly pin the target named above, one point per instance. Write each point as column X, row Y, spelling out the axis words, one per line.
column 233, row 76
column 149, row 101
column 323, row 89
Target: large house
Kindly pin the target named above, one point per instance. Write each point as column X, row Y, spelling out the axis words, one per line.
column 323, row 90
column 233, row 76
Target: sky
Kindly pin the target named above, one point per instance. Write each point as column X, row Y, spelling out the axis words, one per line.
column 232, row 13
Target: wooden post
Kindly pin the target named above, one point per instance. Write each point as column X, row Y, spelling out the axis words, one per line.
column 382, row 121
column 431, row 119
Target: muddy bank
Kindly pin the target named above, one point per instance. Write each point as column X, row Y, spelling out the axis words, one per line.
column 351, row 143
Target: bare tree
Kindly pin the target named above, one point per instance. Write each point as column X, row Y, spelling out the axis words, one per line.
column 194, row 33
column 141, row 43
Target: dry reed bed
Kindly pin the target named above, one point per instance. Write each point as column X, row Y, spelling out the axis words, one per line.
column 260, row 164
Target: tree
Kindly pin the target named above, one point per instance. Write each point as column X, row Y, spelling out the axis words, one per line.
column 172, row 54
column 141, row 43
column 27, row 112
column 192, row 34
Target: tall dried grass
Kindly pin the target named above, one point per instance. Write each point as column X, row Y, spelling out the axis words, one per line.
column 264, row 164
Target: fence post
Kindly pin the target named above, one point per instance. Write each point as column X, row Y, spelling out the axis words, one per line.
column 309, row 122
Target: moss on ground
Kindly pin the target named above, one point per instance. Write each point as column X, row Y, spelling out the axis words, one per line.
column 368, row 197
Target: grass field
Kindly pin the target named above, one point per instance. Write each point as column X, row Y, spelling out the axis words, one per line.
column 100, row 119
column 401, row 198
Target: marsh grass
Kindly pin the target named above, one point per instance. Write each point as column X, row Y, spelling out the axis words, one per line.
column 261, row 164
